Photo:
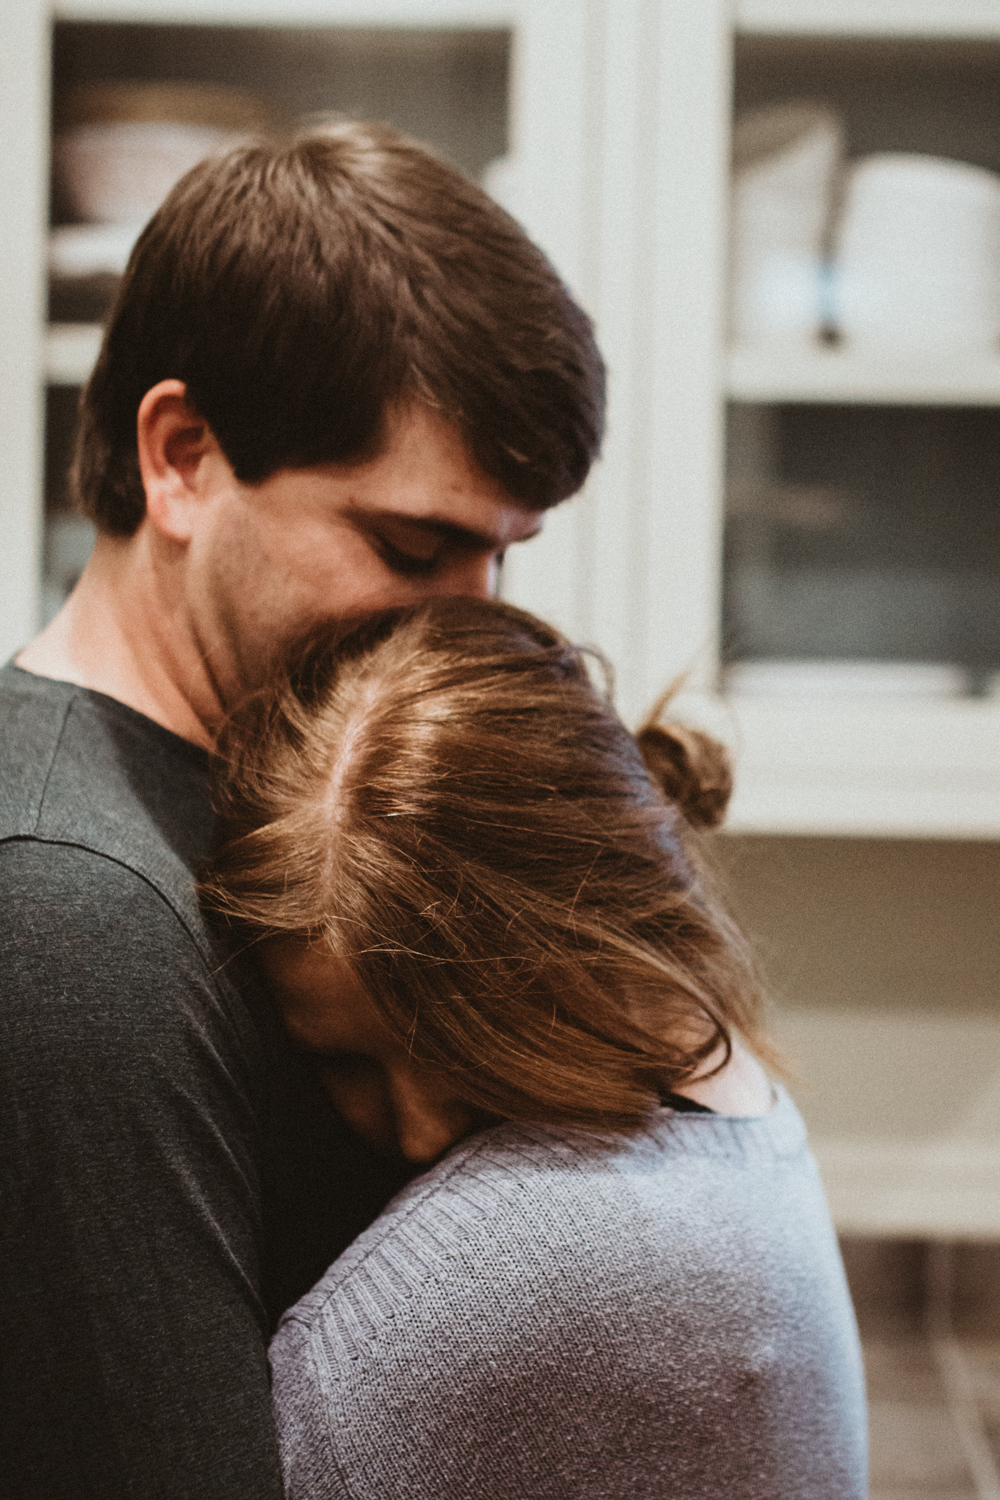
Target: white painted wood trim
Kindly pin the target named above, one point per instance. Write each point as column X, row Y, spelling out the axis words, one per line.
column 548, row 189
column 903, row 1111
column 883, row 1188
column 637, row 225
column 629, row 103
column 682, row 559
column 24, row 80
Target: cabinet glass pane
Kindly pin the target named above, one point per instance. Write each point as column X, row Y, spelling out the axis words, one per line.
column 859, row 530
column 866, row 533
column 934, row 96
column 448, row 87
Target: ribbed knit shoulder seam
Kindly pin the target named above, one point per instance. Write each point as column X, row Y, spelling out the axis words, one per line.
column 392, row 1224
column 421, row 1234
column 776, row 1136
column 397, row 1255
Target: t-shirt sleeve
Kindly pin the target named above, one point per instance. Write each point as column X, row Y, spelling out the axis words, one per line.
column 133, row 1352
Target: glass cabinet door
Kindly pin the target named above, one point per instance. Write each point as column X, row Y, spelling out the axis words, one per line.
column 116, row 84
column 862, row 547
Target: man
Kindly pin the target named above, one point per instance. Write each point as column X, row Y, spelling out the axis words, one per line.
column 337, row 377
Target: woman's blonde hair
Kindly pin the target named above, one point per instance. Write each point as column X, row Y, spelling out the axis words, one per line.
column 445, row 800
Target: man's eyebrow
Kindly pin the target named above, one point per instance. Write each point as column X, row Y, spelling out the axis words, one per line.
column 448, row 531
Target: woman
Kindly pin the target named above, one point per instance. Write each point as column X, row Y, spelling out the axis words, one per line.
column 479, row 904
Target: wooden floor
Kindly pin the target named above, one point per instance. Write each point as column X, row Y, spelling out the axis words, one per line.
column 933, row 1437
column 930, row 1329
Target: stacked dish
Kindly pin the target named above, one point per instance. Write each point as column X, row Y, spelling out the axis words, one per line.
column 119, row 148
column 894, row 253
column 786, row 158
column 918, row 256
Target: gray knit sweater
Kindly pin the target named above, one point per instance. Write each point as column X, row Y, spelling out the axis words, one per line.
column 546, row 1315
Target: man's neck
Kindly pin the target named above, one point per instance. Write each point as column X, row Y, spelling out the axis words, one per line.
column 122, row 634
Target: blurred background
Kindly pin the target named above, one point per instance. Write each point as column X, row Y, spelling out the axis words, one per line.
column 784, row 216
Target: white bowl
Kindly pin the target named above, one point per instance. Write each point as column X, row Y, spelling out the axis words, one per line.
column 119, row 172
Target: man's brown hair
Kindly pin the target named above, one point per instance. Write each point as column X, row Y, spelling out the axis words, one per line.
column 446, row 802
column 299, row 290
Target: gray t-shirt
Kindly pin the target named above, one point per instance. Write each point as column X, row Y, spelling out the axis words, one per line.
column 172, row 1175
column 545, row 1316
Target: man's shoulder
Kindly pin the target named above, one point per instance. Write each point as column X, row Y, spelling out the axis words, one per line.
column 70, row 888
column 79, row 770
column 96, row 963
column 87, row 940
column 104, row 817
column 33, row 713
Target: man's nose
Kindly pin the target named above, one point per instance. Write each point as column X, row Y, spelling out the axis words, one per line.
column 474, row 576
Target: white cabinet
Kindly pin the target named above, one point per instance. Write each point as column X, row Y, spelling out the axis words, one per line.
column 617, row 119
column 637, row 565
column 617, row 115
column 891, row 997
column 24, row 88
column 902, row 445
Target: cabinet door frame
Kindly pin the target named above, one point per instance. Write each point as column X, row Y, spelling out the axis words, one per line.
column 24, row 113
column 619, row 115
column 637, row 223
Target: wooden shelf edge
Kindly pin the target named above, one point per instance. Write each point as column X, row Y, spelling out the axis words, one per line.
column 359, row 13
column 789, row 377
column 958, row 19
column 71, row 350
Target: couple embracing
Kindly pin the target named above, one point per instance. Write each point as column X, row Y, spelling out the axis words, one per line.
column 382, row 1108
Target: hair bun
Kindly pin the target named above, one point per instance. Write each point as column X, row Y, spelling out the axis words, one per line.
column 691, row 768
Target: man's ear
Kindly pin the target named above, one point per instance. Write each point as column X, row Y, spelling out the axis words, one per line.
column 173, row 441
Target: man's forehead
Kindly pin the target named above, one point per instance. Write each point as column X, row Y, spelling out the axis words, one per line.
column 427, row 471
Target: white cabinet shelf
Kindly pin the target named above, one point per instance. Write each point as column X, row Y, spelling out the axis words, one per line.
column 71, row 350
column 953, row 19
column 836, row 375
column 361, row 13
column 903, row 1113
column 751, row 375
column 918, row 768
